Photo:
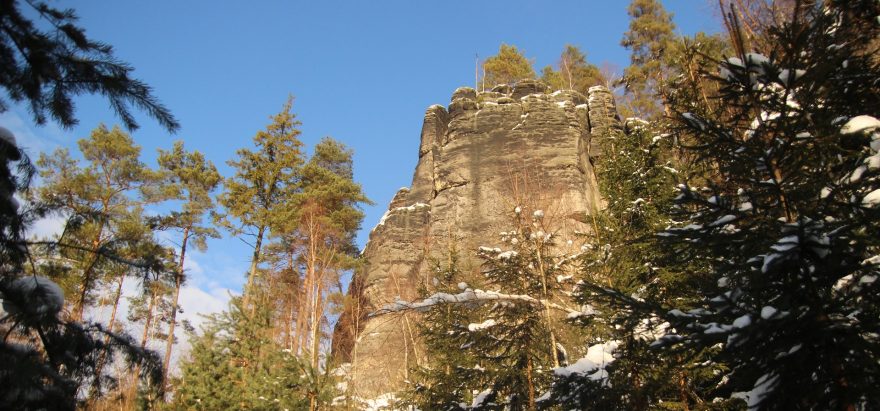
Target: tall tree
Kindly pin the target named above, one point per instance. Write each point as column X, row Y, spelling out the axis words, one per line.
column 327, row 216
column 46, row 359
column 506, row 67
column 787, row 224
column 96, row 200
column 575, row 73
column 650, row 33
column 45, row 69
column 263, row 184
column 189, row 178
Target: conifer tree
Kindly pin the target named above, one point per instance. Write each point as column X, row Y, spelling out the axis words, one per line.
column 786, row 225
column 327, row 216
column 263, row 183
column 189, row 178
column 516, row 343
column 650, row 33
column 233, row 365
column 46, row 358
column 96, row 201
column 507, row 67
column 622, row 281
column 575, row 73
column 451, row 375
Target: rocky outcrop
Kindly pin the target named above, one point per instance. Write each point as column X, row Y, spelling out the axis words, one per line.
column 478, row 159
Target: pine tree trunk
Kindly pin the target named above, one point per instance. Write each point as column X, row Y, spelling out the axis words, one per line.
column 86, row 283
column 103, row 357
column 148, row 323
column 178, row 281
column 315, row 292
column 252, row 273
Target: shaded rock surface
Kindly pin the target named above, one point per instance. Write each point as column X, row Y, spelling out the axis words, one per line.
column 478, row 159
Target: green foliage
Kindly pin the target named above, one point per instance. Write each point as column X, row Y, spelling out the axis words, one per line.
column 46, row 69
column 496, row 353
column 46, row 359
column 235, row 365
column 264, row 178
column 650, row 34
column 575, row 73
column 507, row 67
column 102, row 214
column 452, row 374
column 326, row 182
column 255, row 199
column 189, row 178
column 786, row 224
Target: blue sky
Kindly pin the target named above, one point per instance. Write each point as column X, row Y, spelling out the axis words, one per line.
column 362, row 72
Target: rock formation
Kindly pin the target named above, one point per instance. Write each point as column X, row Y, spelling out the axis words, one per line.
column 478, row 159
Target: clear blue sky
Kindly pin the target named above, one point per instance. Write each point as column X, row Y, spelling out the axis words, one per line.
column 362, row 72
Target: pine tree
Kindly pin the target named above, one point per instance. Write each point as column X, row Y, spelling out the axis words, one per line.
column 575, row 73
column 263, row 183
column 96, row 201
column 507, row 67
column 233, row 365
column 650, row 33
column 46, row 358
column 786, row 225
column 517, row 343
column 45, row 69
column 189, row 178
column 623, row 281
column 328, row 216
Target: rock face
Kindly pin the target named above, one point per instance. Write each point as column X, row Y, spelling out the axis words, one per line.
column 478, row 159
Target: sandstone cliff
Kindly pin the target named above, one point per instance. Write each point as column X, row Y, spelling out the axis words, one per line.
column 478, row 158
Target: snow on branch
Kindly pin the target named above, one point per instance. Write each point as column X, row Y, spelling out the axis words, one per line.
column 469, row 296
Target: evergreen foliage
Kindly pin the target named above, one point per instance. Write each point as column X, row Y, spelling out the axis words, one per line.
column 189, row 178
column 263, row 183
column 575, row 73
column 97, row 202
column 650, row 33
column 765, row 271
column 47, row 360
column 45, row 69
column 234, row 364
column 507, row 67
column 497, row 356
column 449, row 379
column 787, row 222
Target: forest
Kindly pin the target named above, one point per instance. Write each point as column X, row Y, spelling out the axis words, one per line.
column 732, row 266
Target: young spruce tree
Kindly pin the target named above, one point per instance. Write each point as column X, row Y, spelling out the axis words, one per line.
column 787, row 224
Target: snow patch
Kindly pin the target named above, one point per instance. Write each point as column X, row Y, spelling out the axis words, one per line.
column 593, row 364
column 481, row 326
column 44, row 299
column 860, row 124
